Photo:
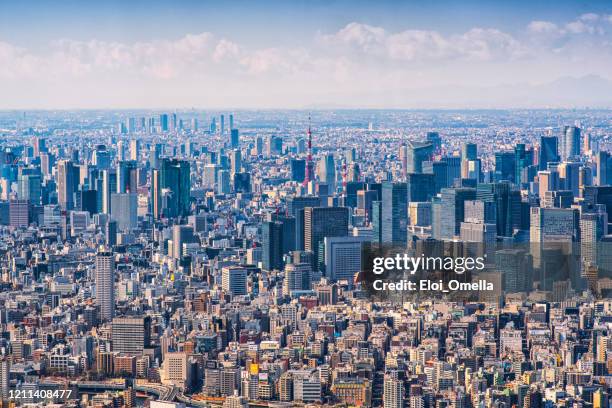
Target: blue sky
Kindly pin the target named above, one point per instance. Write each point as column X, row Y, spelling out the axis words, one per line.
column 249, row 54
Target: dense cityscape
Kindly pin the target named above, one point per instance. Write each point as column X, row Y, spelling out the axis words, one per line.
column 190, row 258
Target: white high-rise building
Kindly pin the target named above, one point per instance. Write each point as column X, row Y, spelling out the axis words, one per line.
column 105, row 284
column 393, row 394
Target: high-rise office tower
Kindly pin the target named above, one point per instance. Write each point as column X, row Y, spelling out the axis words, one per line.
column 440, row 172
column 420, row 186
column 236, row 161
column 222, row 123
column 469, row 153
column 342, row 257
column 297, row 277
column 522, row 159
column 175, row 370
column 548, row 181
column 549, row 151
column 19, row 213
column 507, row 205
column 175, row 176
column 156, row 194
column 569, row 175
column 105, row 284
column 29, row 186
column 416, row 154
column 124, row 210
column 223, row 182
column 234, row 138
column 67, row 182
column 40, row 146
column 435, row 140
column 604, row 168
column 234, row 280
column 131, row 335
column 295, row 205
column 327, row 171
column 181, row 234
column 134, row 149
column 231, row 121
column 569, row 147
column 505, row 166
column 298, row 170
column 453, row 168
column 320, row 222
column 155, row 153
column 394, row 213
column 272, row 237
column 127, row 177
column 109, row 187
column 593, row 226
column 163, row 122
column 452, row 210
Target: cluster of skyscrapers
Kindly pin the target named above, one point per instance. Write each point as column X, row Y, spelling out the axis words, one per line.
column 158, row 260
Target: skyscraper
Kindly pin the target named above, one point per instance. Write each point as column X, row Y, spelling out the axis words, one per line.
column 29, row 186
column 507, row 205
column 394, row 213
column 469, row 153
column 327, row 171
column 570, row 143
column 322, row 222
column 163, row 122
column 416, row 154
column 604, row 168
column 295, row 205
column 234, row 139
column 67, row 182
column 420, row 186
column 124, row 210
column 181, row 234
column 297, row 277
column 105, row 284
column 452, row 210
column 273, row 250
column 234, row 280
column 175, row 176
column 549, row 151
column 342, row 257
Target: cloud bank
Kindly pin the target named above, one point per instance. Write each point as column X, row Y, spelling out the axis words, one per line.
column 205, row 70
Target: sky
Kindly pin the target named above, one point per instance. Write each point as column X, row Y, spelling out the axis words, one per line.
column 305, row 54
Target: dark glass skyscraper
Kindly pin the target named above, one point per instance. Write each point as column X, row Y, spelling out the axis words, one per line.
column 420, row 187
column 508, row 205
column 321, row 222
column 394, row 213
column 549, row 151
column 175, row 176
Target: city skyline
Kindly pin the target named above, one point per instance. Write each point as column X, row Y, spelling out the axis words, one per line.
column 306, row 55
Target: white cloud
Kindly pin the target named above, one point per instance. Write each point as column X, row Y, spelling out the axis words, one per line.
column 424, row 45
column 540, row 26
column 354, row 57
